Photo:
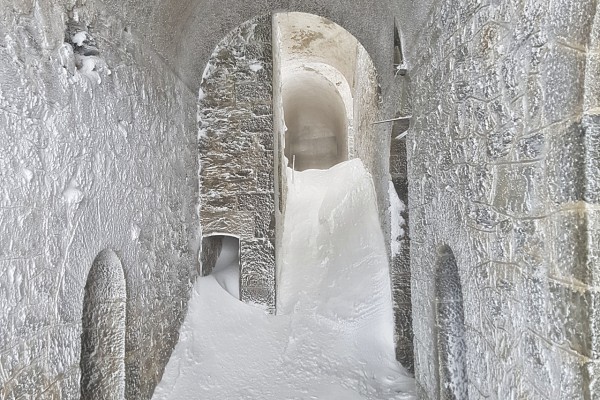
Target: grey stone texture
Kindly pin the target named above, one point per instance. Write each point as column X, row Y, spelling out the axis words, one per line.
column 236, row 148
column 99, row 151
column 502, row 155
column 450, row 328
column 400, row 262
column 89, row 160
column 211, row 249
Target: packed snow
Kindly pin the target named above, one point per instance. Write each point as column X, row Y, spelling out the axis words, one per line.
column 332, row 337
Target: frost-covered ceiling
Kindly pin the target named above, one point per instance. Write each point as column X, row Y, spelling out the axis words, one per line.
column 185, row 32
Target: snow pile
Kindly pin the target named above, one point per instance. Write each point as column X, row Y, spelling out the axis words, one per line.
column 333, row 336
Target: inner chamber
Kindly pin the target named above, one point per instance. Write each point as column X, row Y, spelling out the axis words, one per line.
column 316, row 121
column 315, row 71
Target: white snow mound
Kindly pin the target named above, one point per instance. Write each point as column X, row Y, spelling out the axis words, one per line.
column 333, row 336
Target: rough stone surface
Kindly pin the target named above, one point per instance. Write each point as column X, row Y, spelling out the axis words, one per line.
column 500, row 156
column 236, row 142
column 400, row 260
column 450, row 327
column 97, row 152
column 211, row 249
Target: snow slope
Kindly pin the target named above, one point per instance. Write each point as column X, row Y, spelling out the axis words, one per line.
column 333, row 336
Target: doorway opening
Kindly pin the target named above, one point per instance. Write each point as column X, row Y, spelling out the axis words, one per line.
column 317, row 63
column 221, row 259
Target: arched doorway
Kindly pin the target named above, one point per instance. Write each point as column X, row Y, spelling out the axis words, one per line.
column 324, row 80
column 294, row 69
column 103, row 330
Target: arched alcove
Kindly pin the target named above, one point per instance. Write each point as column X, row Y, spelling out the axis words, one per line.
column 221, row 258
column 103, row 330
column 451, row 345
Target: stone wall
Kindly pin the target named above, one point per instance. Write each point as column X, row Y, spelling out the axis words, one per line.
column 400, row 251
column 501, row 169
column 236, row 147
column 98, row 151
column 279, row 128
column 371, row 141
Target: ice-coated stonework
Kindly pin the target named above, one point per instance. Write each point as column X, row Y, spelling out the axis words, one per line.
column 235, row 144
column 135, row 134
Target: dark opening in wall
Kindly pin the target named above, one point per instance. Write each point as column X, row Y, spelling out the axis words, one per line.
column 317, row 127
column 221, row 258
column 399, row 64
column 451, row 345
column 103, row 330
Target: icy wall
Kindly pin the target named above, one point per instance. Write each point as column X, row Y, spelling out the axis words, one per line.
column 98, row 152
column 503, row 165
column 237, row 195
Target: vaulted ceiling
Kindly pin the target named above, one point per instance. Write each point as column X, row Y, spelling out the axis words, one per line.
column 184, row 32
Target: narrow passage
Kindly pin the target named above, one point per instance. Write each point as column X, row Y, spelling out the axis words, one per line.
column 333, row 336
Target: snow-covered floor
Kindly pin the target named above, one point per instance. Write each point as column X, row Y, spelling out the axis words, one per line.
column 333, row 336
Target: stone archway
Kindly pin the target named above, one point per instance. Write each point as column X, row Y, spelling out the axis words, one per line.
column 289, row 69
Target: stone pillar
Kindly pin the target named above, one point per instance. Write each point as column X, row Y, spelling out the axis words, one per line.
column 236, row 145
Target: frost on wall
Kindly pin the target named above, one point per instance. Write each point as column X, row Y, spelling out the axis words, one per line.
column 86, row 166
column 451, row 346
column 503, row 165
column 211, row 248
column 103, row 330
column 236, row 145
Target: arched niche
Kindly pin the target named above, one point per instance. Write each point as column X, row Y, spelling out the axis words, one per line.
column 103, row 330
column 451, row 344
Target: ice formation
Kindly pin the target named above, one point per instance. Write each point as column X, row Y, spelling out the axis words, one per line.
column 333, row 335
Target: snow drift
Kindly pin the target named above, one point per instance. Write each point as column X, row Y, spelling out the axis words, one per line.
column 333, row 335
